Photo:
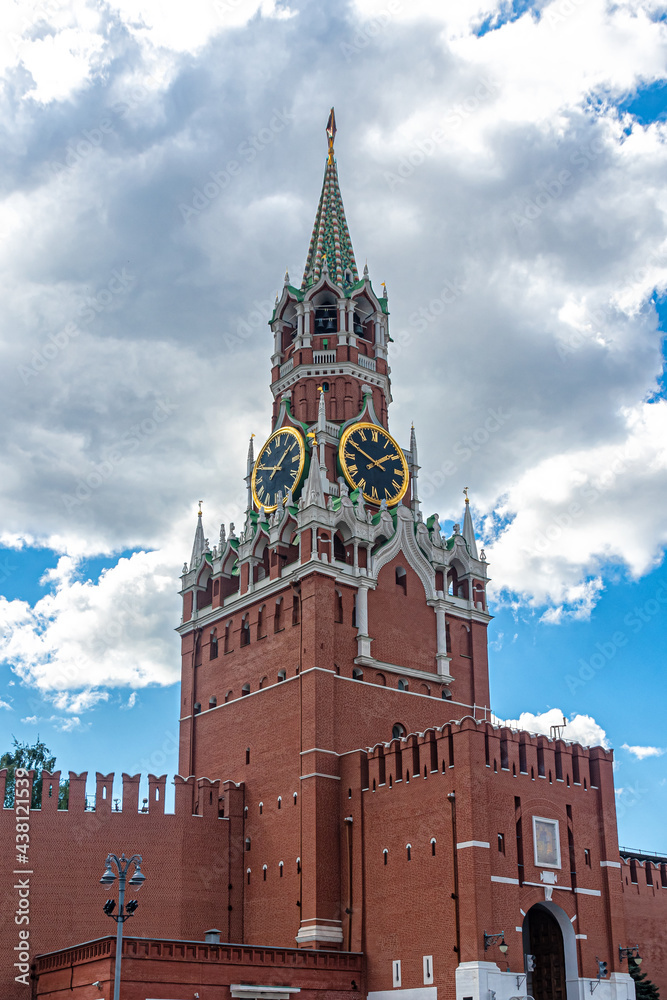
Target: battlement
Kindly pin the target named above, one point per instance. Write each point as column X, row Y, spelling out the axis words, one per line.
column 498, row 748
column 193, row 796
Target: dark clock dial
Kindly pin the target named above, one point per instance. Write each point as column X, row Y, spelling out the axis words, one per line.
column 278, row 468
column 373, row 463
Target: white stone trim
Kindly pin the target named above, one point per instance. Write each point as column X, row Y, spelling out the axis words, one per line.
column 505, row 881
column 421, row 993
column 588, row 892
column 318, row 774
column 318, row 932
column 472, row 843
column 610, row 864
column 262, row 992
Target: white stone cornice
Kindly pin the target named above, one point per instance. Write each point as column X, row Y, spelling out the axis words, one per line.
column 321, row 371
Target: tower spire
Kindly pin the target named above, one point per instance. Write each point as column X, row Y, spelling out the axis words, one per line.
column 330, row 238
column 199, row 544
column 250, row 464
column 468, row 528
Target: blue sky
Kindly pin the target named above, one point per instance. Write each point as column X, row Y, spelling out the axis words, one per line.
column 502, row 171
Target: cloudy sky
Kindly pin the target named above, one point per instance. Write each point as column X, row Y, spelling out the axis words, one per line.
column 503, row 168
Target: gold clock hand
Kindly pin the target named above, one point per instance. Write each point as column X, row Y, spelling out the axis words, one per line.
column 282, row 459
column 365, row 454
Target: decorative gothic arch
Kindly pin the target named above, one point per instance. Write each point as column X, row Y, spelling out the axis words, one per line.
column 403, row 540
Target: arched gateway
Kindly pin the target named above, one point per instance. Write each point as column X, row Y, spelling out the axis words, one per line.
column 548, row 936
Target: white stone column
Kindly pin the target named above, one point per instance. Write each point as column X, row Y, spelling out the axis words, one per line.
column 442, row 657
column 363, row 639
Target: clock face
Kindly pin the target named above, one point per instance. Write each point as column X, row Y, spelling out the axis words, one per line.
column 373, row 463
column 278, row 468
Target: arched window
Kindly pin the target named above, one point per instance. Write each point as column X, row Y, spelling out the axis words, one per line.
column 245, row 631
column 212, row 701
column 338, row 548
column 263, row 681
column 446, row 694
column 408, row 848
column 278, row 615
column 260, row 623
column 213, row 648
column 354, row 611
column 228, row 696
column 245, row 690
column 261, row 808
column 398, row 731
column 280, row 801
column 247, row 755
column 282, row 674
column 228, row 637
column 385, row 855
column 338, row 607
column 280, row 868
column 357, row 674
column 298, row 866
column 296, row 607
column 402, row 684
column 264, row 867
column 247, row 843
column 295, row 798
column 248, row 875
column 197, row 707
column 401, row 579
column 432, row 847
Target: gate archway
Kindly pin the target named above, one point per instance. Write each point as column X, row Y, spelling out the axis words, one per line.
column 548, row 936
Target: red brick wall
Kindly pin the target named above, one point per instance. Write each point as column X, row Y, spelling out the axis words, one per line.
column 645, row 908
column 187, row 861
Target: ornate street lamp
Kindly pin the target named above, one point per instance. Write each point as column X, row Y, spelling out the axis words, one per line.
column 122, row 865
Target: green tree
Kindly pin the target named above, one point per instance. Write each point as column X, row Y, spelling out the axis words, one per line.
column 37, row 757
column 644, row 988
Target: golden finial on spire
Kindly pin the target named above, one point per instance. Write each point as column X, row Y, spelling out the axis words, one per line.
column 331, row 134
column 200, row 502
column 311, row 434
column 465, row 493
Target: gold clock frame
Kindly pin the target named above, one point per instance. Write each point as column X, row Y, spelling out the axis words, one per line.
column 367, row 426
column 290, row 432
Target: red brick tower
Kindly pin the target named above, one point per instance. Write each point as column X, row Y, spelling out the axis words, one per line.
column 338, row 619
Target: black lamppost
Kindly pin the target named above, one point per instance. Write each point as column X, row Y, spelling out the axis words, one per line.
column 122, row 865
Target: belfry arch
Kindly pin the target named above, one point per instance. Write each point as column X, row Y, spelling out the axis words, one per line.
column 549, row 936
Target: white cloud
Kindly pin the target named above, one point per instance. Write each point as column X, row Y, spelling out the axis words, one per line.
column 5, row 704
column 641, row 753
column 83, row 636
column 31, row 720
column 579, row 729
column 530, row 382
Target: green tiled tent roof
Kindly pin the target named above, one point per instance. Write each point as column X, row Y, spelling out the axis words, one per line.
column 331, row 237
